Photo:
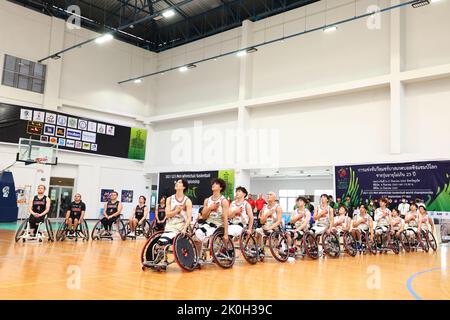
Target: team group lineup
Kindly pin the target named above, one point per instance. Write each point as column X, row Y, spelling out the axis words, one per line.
column 223, row 227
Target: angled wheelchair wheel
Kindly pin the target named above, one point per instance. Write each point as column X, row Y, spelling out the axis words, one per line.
column 122, row 229
column 349, row 244
column 431, row 240
column 394, row 244
column 127, row 227
column 423, row 241
column 222, row 253
column 49, row 229
column 404, row 240
column 61, row 232
column 21, row 230
column 150, row 252
column 278, row 246
column 146, row 229
column 184, row 252
column 98, row 227
column 372, row 246
column 331, row 245
column 84, row 230
column 249, row 247
column 311, row 246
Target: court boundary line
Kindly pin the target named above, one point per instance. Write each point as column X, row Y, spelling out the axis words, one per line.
column 415, row 275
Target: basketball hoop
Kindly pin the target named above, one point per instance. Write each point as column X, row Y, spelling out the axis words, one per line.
column 41, row 160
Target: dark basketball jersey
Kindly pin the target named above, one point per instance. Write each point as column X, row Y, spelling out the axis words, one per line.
column 112, row 208
column 39, row 204
column 139, row 212
column 161, row 213
column 77, row 208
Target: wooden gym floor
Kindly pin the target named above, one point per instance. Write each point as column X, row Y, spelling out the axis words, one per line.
column 112, row 270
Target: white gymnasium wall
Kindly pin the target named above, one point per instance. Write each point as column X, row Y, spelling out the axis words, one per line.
column 318, row 59
column 309, row 185
column 85, row 77
column 90, row 75
column 329, row 130
column 211, row 83
column 25, row 34
column 426, row 39
column 426, row 118
column 83, row 83
column 175, row 146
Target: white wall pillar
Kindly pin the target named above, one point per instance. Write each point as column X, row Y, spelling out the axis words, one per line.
column 54, row 67
column 245, row 89
column 242, row 178
column 397, row 88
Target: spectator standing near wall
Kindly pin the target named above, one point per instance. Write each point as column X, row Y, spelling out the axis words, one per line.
column 260, row 202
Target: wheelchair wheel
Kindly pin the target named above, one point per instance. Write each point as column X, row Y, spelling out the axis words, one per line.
column 311, row 246
column 278, row 246
column 222, row 253
column 423, row 241
column 122, row 229
column 61, row 232
column 184, row 252
column 349, row 244
column 372, row 246
column 147, row 229
column 249, row 247
column 431, row 240
column 404, row 240
column 331, row 245
column 393, row 243
column 149, row 252
column 84, row 230
column 95, row 235
column 21, row 230
column 48, row 227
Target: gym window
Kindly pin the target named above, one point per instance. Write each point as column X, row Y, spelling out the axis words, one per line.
column 23, row 74
column 287, row 199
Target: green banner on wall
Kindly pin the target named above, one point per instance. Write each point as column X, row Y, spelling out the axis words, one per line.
column 138, row 143
column 228, row 176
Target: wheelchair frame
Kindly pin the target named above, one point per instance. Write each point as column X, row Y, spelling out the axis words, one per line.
column 23, row 232
column 63, row 229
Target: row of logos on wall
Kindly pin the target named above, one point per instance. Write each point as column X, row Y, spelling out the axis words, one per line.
column 64, row 130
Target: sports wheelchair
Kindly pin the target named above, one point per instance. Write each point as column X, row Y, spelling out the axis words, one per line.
column 99, row 232
column 23, row 232
column 214, row 249
column 145, row 229
column 158, row 254
column 277, row 243
column 387, row 240
column 329, row 241
column 82, row 232
column 367, row 244
column 412, row 240
column 307, row 245
column 348, row 242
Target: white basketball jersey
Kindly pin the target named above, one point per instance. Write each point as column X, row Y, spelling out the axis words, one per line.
column 242, row 218
column 215, row 217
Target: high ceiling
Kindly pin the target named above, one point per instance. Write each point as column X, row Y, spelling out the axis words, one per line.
column 140, row 21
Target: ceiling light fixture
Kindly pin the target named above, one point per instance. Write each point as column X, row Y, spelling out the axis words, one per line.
column 187, row 67
column 138, row 81
column 244, row 52
column 104, row 38
column 168, row 13
column 420, row 3
column 330, row 29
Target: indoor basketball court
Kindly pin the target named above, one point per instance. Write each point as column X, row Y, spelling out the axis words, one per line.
column 224, row 150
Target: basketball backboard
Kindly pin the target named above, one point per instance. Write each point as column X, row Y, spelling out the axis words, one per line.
column 34, row 151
